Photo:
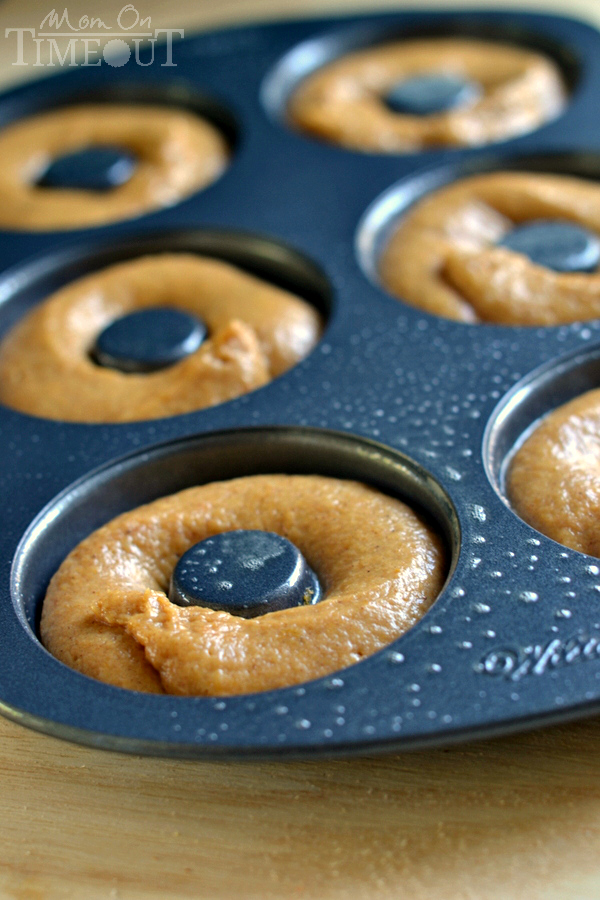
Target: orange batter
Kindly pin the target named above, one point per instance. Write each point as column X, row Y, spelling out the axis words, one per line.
column 554, row 479
column 107, row 614
column 256, row 332
column 443, row 256
column 344, row 101
column 177, row 153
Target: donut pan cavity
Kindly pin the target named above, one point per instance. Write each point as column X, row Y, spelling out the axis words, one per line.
column 423, row 408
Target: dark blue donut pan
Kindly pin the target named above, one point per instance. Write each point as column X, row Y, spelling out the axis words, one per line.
column 422, row 407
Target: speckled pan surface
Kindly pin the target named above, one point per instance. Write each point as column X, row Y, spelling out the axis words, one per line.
column 422, row 407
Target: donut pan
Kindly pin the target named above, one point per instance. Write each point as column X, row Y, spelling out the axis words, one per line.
column 422, row 407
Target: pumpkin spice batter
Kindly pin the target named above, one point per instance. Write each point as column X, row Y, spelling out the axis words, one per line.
column 107, row 613
column 256, row 332
column 443, row 257
column 177, row 153
column 554, row 480
column 344, row 102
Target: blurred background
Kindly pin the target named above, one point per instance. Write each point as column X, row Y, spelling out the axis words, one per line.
column 194, row 15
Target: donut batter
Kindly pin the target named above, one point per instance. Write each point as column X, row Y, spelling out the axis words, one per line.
column 256, row 332
column 554, row 480
column 106, row 612
column 344, row 102
column 177, row 153
column 443, row 257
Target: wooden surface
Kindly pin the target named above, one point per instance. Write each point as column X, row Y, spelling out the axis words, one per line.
column 517, row 817
column 503, row 819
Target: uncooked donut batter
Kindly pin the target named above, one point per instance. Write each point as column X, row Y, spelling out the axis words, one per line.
column 344, row 102
column 444, row 259
column 256, row 332
column 177, row 153
column 107, row 613
column 554, row 479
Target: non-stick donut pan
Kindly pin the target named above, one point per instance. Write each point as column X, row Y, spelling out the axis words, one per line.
column 422, row 407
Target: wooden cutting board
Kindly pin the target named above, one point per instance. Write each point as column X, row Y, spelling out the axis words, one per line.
column 516, row 817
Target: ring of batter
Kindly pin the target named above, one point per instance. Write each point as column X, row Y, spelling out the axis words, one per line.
column 106, row 612
column 256, row 332
column 554, row 478
column 443, row 257
column 343, row 102
column 177, row 153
